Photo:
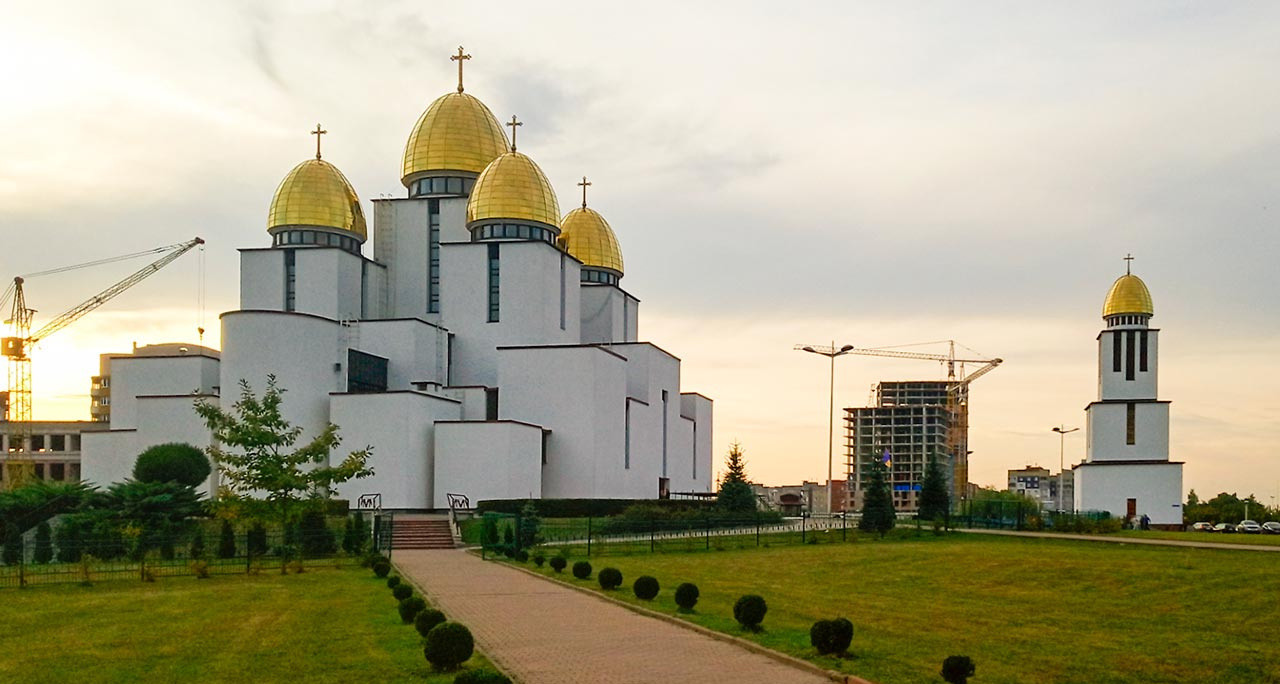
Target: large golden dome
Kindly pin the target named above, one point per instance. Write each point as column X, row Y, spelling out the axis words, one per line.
column 513, row 187
column 1128, row 295
column 315, row 193
column 587, row 236
column 456, row 133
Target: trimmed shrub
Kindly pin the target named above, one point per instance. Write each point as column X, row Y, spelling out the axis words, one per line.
column 315, row 536
column 558, row 563
column 426, row 620
column 382, row 568
column 521, row 556
column 610, row 578
column 687, row 596
column 197, row 545
column 393, row 581
column 410, row 607
column 582, row 570
column 749, row 611
column 174, row 462
column 256, row 540
column 200, row 569
column 957, row 669
column 481, row 677
column 539, row 559
column 448, row 645
column 831, row 637
column 44, row 543
column 645, row 588
column 402, row 591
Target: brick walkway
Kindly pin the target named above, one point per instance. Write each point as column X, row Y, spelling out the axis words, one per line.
column 540, row 632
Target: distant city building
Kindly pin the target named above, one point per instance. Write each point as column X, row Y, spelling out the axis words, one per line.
column 907, row 426
column 52, row 449
column 806, row 497
column 201, row 374
column 1040, row 484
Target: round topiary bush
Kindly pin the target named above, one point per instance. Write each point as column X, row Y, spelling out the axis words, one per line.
column 392, row 581
column 539, row 559
column 174, row 462
column 820, row 636
column 831, row 636
column 558, row 563
column 749, row 611
column 448, row 645
column 481, row 677
column 610, row 578
column 687, row 596
column 582, row 570
column 428, row 619
column 382, row 568
column 645, row 588
column 957, row 669
column 522, row 556
column 402, row 591
column 410, row 607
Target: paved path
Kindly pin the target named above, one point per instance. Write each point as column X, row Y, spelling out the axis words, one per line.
column 541, row 632
column 1131, row 540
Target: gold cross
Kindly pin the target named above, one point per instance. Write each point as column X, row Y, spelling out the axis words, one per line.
column 584, row 185
column 459, row 59
column 1128, row 264
column 513, row 123
column 317, row 133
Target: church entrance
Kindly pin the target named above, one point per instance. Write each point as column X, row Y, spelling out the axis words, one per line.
column 1130, row 509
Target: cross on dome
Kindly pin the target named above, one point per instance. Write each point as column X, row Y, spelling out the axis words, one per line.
column 584, row 185
column 317, row 133
column 459, row 58
column 1128, row 264
column 513, row 123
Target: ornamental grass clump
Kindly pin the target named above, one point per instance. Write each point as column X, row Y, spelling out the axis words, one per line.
column 448, row 645
column 402, row 591
column 610, row 578
column 749, row 612
column 645, row 588
column 558, row 563
column 687, row 597
column 582, row 570
column 427, row 620
column 831, row 637
column 410, row 607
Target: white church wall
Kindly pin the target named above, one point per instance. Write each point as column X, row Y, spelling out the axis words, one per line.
column 603, row 313
column 327, row 282
column 631, row 318
column 1157, row 488
column 1107, row 430
column 488, row 460
column 1112, row 384
column 453, row 220
column 400, row 427
column 262, row 279
column 699, row 409
column 416, row 351
column 108, row 457
column 134, row 376
column 374, row 290
column 401, row 234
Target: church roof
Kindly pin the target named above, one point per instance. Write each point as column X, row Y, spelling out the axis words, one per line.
column 456, row 133
column 1128, row 295
column 513, row 187
column 315, row 193
column 587, row 236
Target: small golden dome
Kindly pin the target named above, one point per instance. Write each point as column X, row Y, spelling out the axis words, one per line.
column 315, row 193
column 1128, row 295
column 456, row 133
column 513, row 187
column 587, row 236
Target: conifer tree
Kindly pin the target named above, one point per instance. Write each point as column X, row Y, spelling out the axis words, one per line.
column 877, row 504
column 735, row 492
column 44, row 543
column 934, row 501
column 735, row 465
column 226, row 541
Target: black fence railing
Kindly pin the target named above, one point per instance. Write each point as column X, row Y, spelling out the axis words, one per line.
column 1017, row 515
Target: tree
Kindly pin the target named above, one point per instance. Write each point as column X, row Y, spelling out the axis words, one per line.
column 530, row 525
column 11, row 553
column 226, row 540
column 254, row 448
column 878, row 514
column 934, row 501
column 735, row 492
column 735, row 465
column 157, row 510
column 44, row 543
column 172, row 462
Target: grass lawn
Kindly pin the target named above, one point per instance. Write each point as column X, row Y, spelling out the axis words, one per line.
column 326, row 625
column 1256, row 539
column 1026, row 610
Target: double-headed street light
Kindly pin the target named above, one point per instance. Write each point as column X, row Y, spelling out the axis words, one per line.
column 830, row 352
column 1062, row 445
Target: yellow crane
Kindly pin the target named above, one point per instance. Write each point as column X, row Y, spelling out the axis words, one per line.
column 16, row 347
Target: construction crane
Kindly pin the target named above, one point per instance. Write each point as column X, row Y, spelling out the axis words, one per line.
column 18, row 346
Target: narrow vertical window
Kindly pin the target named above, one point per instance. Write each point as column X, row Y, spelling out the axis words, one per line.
column 563, row 288
column 493, row 283
column 626, row 436
column 1142, row 352
column 1130, row 420
column 1115, row 352
column 664, row 433
column 433, row 256
column 1128, row 355
column 290, row 280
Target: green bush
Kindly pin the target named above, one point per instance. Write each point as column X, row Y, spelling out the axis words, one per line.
column 687, row 596
column 44, row 543
column 197, row 545
column 448, row 645
column 410, row 607
column 11, row 553
column 610, row 578
column 521, row 555
column 315, row 536
column 382, row 568
column 957, row 669
column 558, row 563
column 226, row 540
column 749, row 611
column 355, row 534
column 69, row 541
column 539, row 559
column 256, row 540
column 402, row 591
column 831, row 637
column 174, row 462
column 426, row 620
column 481, row 677
column 645, row 588
column 582, row 570
column 393, row 581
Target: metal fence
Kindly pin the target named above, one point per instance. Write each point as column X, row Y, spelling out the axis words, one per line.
column 1017, row 515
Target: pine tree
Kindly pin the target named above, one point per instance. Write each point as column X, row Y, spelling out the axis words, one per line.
column 735, row 465
column 44, row 543
column 735, row 492
column 227, row 541
column 877, row 504
column 11, row 553
column 935, row 503
column 196, row 551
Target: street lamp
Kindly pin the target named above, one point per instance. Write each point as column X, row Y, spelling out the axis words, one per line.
column 1062, row 445
column 831, row 353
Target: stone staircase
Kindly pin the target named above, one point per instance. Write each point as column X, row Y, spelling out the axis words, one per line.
column 409, row 533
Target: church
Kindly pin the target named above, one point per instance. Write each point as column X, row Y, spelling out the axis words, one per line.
column 1126, row 470
column 486, row 348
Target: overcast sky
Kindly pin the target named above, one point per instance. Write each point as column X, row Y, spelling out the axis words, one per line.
column 781, row 173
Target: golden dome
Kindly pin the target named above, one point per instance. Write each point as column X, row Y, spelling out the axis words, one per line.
column 456, row 133
column 513, row 187
column 587, row 236
column 1128, row 295
column 315, row 193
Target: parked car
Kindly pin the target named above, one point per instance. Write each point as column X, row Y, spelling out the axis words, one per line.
column 1272, row 527
column 1249, row 527
column 1224, row 527
column 1202, row 527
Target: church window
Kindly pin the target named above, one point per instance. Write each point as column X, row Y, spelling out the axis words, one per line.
column 1128, row 355
column 454, row 186
column 433, row 256
column 365, row 372
column 1142, row 352
column 1115, row 352
column 290, row 280
column 1130, row 420
column 491, row 403
column 493, row 284
column 664, row 433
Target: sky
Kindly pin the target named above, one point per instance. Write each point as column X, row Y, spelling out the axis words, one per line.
column 873, row 174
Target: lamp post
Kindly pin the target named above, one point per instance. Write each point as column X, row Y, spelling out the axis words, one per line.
column 1062, row 447
column 830, row 352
